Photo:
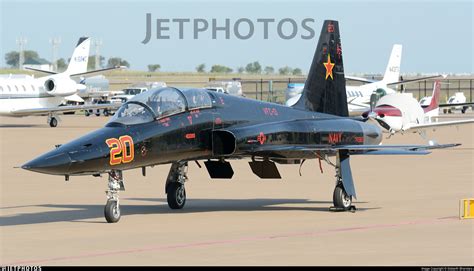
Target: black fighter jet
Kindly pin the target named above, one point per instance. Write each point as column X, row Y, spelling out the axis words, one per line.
column 177, row 126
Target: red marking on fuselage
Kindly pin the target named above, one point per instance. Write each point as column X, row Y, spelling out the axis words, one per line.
column 195, row 112
column 270, row 111
column 387, row 110
column 190, row 136
column 261, row 138
column 335, row 138
column 359, row 139
column 165, row 122
column 330, row 28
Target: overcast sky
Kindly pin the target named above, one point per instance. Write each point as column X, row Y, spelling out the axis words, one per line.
column 437, row 36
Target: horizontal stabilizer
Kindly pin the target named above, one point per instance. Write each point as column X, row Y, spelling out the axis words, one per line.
column 359, row 79
column 414, row 80
column 98, row 71
column 39, row 70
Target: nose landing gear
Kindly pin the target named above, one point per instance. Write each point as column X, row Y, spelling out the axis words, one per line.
column 175, row 190
column 112, row 207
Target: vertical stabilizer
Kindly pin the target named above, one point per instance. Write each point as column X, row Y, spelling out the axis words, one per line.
column 392, row 72
column 80, row 57
column 325, row 87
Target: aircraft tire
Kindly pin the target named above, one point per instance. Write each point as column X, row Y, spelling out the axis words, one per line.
column 176, row 195
column 53, row 122
column 340, row 198
column 112, row 211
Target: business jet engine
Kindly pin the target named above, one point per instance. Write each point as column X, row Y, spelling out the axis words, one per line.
column 62, row 86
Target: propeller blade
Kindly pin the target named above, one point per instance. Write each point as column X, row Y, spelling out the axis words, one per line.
column 373, row 101
column 383, row 124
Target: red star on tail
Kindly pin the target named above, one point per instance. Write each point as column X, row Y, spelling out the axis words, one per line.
column 328, row 65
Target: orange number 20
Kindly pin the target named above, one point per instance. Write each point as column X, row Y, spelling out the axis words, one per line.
column 121, row 150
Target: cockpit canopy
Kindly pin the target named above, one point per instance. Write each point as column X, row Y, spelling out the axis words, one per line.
column 161, row 102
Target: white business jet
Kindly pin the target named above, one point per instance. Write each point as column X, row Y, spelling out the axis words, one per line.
column 25, row 95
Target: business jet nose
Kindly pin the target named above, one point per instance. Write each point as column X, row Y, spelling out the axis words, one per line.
column 53, row 162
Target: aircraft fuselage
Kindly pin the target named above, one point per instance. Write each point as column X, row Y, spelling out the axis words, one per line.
column 190, row 135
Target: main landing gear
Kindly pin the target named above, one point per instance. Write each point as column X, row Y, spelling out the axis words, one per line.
column 52, row 120
column 342, row 195
column 112, row 207
column 175, row 190
column 340, row 199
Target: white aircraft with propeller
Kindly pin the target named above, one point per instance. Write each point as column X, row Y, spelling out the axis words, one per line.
column 400, row 112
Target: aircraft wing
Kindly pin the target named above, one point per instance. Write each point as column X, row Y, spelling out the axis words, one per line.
column 355, row 149
column 414, row 80
column 59, row 109
column 439, row 124
column 458, row 104
column 79, row 74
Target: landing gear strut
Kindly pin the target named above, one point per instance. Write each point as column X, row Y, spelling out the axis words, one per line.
column 341, row 199
column 112, row 208
column 175, row 191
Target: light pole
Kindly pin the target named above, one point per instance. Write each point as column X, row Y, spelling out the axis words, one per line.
column 21, row 43
column 55, row 44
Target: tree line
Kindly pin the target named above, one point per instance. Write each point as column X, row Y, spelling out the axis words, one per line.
column 13, row 58
column 251, row 68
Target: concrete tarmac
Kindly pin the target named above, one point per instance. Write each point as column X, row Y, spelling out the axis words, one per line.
column 407, row 209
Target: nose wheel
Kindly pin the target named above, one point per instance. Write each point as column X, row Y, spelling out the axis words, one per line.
column 112, row 211
column 175, row 190
column 176, row 196
column 112, row 207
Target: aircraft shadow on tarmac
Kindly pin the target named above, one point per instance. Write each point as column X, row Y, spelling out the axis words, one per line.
column 20, row 125
column 83, row 212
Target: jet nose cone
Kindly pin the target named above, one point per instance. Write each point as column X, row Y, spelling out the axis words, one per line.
column 53, row 162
